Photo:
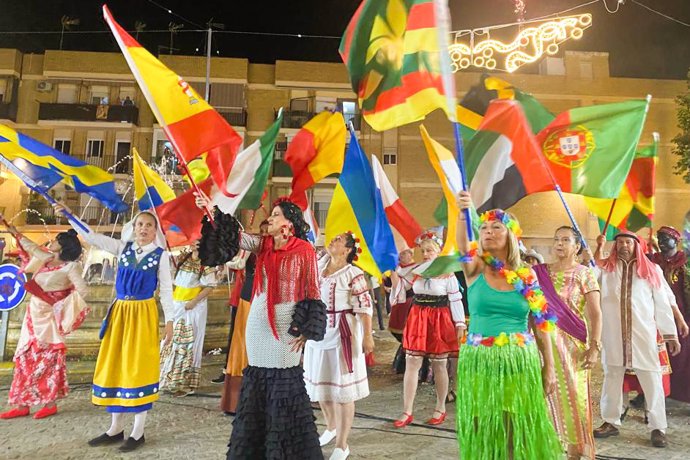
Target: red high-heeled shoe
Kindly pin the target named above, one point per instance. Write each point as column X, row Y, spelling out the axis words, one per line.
column 14, row 413
column 402, row 423
column 437, row 420
column 45, row 412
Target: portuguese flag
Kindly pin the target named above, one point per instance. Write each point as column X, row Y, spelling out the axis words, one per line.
column 634, row 208
column 590, row 150
column 396, row 54
column 503, row 159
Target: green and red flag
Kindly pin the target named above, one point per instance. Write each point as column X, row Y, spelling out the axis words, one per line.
column 396, row 54
column 634, row 207
column 590, row 150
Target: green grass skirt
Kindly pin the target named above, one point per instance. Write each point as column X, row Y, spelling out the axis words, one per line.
column 501, row 406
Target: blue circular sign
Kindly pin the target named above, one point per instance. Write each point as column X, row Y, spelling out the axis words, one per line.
column 12, row 290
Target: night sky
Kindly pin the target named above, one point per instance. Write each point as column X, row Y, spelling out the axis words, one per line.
column 641, row 43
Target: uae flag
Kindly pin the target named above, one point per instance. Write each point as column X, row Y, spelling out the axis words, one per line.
column 503, row 159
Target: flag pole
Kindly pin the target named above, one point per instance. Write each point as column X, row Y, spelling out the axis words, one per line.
column 608, row 219
column 460, row 158
column 35, row 187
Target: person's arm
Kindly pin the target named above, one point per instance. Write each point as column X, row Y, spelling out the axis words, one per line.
column 239, row 261
column 208, row 281
column 165, row 290
column 601, row 241
column 548, row 371
column 363, row 307
column 77, row 280
column 590, row 289
column 106, row 243
column 472, row 267
column 456, row 308
column 677, row 315
column 663, row 315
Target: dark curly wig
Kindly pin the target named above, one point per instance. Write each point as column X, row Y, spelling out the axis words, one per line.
column 71, row 247
column 576, row 235
column 294, row 214
column 220, row 244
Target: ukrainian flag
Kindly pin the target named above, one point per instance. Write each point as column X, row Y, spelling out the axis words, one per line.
column 357, row 207
column 47, row 166
column 149, row 188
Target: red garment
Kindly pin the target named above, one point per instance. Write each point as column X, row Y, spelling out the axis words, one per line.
column 430, row 331
column 399, row 314
column 237, row 288
column 291, row 274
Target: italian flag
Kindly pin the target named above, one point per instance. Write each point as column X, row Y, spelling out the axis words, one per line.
column 446, row 167
column 405, row 227
column 503, row 159
column 247, row 181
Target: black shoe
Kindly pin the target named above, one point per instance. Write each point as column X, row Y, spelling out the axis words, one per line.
column 659, row 439
column 638, row 401
column 105, row 439
column 219, row 379
column 132, row 444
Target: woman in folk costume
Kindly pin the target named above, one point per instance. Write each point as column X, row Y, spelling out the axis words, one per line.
column 55, row 309
column 237, row 351
column 127, row 371
column 572, row 293
column 181, row 358
column 401, row 297
column 335, row 368
column 502, row 411
column 434, row 326
column 274, row 416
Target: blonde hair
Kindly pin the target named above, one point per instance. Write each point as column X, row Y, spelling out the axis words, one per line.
column 432, row 243
column 513, row 261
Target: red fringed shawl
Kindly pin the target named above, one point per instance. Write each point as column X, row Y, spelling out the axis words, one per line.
column 291, row 274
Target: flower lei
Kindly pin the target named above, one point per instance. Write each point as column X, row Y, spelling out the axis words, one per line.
column 358, row 246
column 522, row 279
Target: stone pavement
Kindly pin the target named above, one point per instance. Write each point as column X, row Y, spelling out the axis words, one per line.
column 193, row 427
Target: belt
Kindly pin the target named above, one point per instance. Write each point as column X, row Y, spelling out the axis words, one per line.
column 426, row 300
column 133, row 297
column 345, row 336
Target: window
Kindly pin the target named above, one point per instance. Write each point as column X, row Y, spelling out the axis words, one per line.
column 127, row 92
column 63, row 145
column 67, row 93
column 321, row 201
column 99, row 95
column 94, row 148
column 122, row 149
column 3, row 89
column 390, row 158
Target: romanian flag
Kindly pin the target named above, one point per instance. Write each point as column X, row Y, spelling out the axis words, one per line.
column 316, row 152
column 149, row 188
column 634, row 208
column 396, row 54
column 446, row 167
column 46, row 167
column 190, row 123
column 404, row 225
column 357, row 207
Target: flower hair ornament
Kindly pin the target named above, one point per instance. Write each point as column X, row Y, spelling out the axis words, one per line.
column 429, row 236
column 358, row 246
column 523, row 279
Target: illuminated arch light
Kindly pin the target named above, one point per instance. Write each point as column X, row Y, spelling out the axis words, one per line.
column 530, row 45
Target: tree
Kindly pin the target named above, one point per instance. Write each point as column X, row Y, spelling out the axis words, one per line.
column 682, row 140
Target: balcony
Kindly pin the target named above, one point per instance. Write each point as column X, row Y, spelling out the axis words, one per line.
column 281, row 169
column 236, row 117
column 107, row 162
column 42, row 213
column 89, row 112
column 295, row 119
column 8, row 111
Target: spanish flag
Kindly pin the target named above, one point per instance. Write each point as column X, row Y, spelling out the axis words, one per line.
column 316, row 152
column 190, row 123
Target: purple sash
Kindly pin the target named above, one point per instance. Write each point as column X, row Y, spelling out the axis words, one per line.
column 568, row 321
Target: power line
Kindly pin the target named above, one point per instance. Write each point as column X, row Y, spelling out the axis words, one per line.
column 169, row 11
column 661, row 14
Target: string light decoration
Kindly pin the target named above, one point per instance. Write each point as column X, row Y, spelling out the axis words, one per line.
column 476, row 47
column 519, row 9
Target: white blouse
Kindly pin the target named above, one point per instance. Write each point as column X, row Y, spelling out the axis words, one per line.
column 446, row 285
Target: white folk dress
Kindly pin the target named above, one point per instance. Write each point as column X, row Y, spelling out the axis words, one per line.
column 326, row 363
column 181, row 359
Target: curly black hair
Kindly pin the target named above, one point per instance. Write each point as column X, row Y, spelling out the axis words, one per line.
column 578, row 237
column 70, row 246
column 350, row 243
column 294, row 214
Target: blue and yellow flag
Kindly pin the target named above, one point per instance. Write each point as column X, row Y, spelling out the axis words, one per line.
column 149, row 188
column 47, row 166
column 357, row 207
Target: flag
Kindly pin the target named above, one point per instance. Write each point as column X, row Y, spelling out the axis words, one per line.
column 190, row 123
column 503, row 159
column 399, row 217
column 357, row 207
column 47, row 167
column 446, row 167
column 316, row 151
column 590, row 149
column 396, row 54
column 247, row 181
column 310, row 219
column 182, row 217
column 634, row 208
column 149, row 188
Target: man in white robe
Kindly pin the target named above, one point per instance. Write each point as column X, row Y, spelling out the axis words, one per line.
column 634, row 305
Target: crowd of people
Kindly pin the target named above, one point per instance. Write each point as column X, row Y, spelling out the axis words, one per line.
column 510, row 339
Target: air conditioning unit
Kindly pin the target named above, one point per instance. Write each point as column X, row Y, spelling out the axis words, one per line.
column 44, row 86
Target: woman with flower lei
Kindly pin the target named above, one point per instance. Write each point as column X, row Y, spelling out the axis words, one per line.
column 335, row 370
column 434, row 326
column 501, row 406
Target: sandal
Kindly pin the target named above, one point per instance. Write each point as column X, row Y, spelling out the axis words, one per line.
column 451, row 396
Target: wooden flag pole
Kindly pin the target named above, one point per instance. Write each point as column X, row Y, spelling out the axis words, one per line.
column 608, row 219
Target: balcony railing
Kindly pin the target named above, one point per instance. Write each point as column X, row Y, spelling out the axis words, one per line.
column 295, row 119
column 8, row 111
column 89, row 112
column 93, row 214
column 236, row 117
column 106, row 162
